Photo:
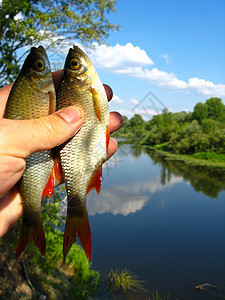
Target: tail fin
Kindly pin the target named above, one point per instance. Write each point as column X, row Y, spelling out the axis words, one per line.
column 77, row 226
column 29, row 233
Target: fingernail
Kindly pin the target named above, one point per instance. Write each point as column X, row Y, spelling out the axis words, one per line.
column 70, row 114
column 109, row 91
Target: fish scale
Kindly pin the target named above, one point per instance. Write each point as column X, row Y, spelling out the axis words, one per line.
column 83, row 155
column 33, row 96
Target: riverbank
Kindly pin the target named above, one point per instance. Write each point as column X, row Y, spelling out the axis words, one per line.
column 210, row 161
column 194, row 161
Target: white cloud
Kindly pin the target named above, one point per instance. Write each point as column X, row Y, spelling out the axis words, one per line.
column 166, row 57
column 132, row 61
column 116, row 99
column 119, row 57
column 134, row 101
column 126, row 112
column 145, row 112
column 206, row 87
column 155, row 74
column 176, row 84
column 170, row 81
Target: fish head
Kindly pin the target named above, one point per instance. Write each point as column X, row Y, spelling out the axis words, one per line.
column 78, row 69
column 36, row 69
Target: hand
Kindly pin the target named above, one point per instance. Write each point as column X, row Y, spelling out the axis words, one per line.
column 18, row 141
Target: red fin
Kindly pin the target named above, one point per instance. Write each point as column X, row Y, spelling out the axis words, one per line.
column 54, row 179
column 28, row 234
column 49, row 188
column 96, row 103
column 107, row 139
column 95, row 181
column 77, row 226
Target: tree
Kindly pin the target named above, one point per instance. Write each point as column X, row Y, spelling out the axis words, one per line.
column 215, row 108
column 136, row 120
column 28, row 22
column 200, row 112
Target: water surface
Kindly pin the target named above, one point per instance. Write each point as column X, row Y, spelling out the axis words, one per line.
column 162, row 220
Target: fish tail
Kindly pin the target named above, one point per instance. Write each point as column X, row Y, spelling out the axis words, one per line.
column 29, row 233
column 77, row 226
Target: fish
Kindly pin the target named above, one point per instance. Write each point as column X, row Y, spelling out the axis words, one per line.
column 82, row 156
column 32, row 96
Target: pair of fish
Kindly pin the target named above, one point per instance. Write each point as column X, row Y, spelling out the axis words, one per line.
column 81, row 158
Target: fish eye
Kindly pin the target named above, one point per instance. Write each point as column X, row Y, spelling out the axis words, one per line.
column 39, row 65
column 74, row 64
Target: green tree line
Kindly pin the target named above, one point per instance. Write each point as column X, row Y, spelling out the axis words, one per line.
column 202, row 130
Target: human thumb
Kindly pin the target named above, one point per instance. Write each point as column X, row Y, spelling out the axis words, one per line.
column 24, row 137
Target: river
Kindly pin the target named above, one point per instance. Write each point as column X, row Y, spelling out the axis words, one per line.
column 162, row 220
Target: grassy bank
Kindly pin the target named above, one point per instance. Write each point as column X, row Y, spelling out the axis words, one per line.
column 212, row 161
column 209, row 160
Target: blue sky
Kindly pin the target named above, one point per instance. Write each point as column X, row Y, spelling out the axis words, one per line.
column 174, row 49
column 185, row 38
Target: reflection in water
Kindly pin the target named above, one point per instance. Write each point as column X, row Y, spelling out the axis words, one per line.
column 201, row 179
column 128, row 198
column 137, row 150
column 149, row 219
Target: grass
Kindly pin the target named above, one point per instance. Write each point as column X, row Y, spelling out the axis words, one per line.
column 209, row 156
column 156, row 296
column 123, row 281
column 212, row 161
column 161, row 146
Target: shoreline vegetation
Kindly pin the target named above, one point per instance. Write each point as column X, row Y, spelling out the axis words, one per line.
column 196, row 138
column 204, row 160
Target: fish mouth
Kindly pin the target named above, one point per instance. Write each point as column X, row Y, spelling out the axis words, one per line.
column 41, row 48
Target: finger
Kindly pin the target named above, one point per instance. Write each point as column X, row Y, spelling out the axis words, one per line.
column 10, row 210
column 11, row 170
column 56, row 77
column 112, row 147
column 25, row 137
column 116, row 121
column 4, row 93
column 108, row 91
